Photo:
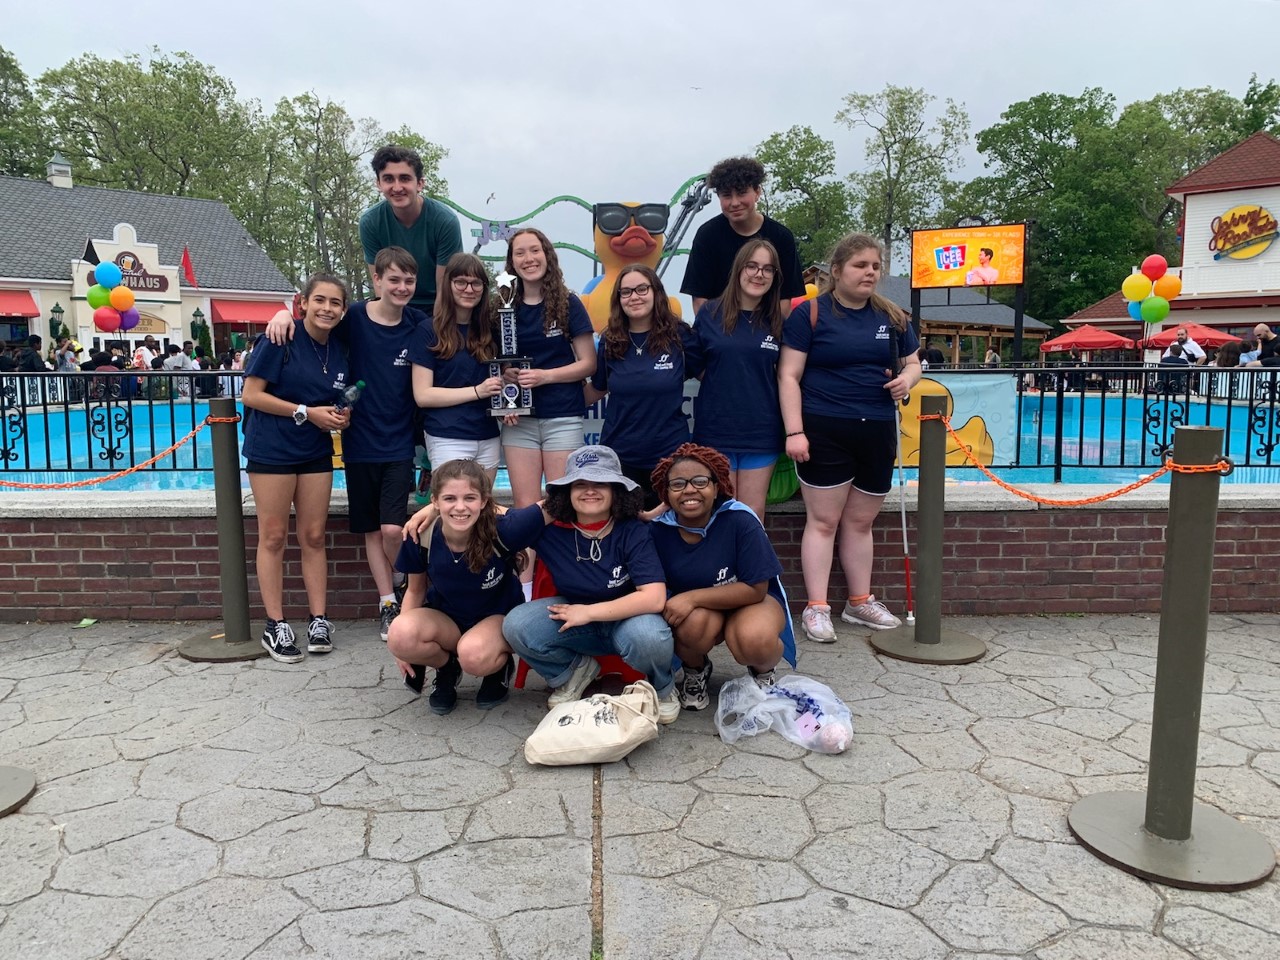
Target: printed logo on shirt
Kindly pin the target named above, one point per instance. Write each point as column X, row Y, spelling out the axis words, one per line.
column 664, row 363
column 402, row 360
column 339, row 382
column 723, row 579
column 619, row 577
column 582, row 459
column 555, row 332
column 768, row 343
column 883, row 332
column 492, row 578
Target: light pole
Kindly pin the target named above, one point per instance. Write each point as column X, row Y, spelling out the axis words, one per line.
column 55, row 321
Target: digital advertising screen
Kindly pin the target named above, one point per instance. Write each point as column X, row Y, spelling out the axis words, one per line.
column 988, row 256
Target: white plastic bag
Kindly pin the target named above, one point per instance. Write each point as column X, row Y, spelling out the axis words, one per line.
column 801, row 709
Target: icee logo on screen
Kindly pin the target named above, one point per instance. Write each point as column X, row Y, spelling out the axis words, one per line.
column 950, row 256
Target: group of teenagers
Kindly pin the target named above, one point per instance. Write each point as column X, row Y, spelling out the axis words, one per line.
column 649, row 545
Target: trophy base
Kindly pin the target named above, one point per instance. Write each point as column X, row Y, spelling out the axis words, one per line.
column 518, row 411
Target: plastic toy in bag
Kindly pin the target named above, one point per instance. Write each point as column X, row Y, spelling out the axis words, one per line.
column 799, row 708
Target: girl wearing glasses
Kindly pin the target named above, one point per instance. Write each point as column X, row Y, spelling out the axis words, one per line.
column 451, row 368
column 847, row 361
column 644, row 357
column 721, row 572
column 553, row 329
column 739, row 336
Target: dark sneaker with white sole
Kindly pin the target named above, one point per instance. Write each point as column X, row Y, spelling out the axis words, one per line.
column 319, row 635
column 279, row 641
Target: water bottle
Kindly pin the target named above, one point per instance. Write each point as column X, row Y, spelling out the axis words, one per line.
column 349, row 396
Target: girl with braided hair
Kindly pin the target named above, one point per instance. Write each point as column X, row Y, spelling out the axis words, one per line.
column 722, row 575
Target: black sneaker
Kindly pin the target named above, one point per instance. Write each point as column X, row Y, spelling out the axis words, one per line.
column 417, row 680
column 496, row 687
column 400, row 587
column 444, row 688
column 319, row 635
column 386, row 613
column 279, row 641
column 693, row 691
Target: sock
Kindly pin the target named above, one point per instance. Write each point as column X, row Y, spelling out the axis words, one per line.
column 816, row 603
column 528, row 590
column 386, row 598
column 854, row 601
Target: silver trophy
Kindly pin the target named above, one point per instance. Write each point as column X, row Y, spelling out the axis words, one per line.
column 512, row 398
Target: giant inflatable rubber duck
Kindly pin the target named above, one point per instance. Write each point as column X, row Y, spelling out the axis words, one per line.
column 624, row 233
column 973, row 434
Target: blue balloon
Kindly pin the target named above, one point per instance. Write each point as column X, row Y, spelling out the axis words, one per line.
column 1135, row 309
column 108, row 274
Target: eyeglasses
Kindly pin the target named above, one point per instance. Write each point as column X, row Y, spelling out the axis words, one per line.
column 613, row 218
column 462, row 283
column 763, row 269
column 639, row 290
column 679, row 483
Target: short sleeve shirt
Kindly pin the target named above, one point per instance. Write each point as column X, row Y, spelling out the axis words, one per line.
column 734, row 550
column 381, row 428
column 737, row 409
column 716, row 244
column 464, row 421
column 432, row 239
column 627, row 560
column 548, row 351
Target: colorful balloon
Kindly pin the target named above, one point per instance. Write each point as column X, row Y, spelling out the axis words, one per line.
column 1168, row 286
column 1135, row 309
column 121, row 297
column 1136, row 287
column 130, row 318
column 1154, row 309
column 98, row 296
column 107, row 319
column 1154, row 266
column 108, row 275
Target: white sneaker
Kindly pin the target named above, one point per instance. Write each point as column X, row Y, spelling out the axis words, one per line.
column 669, row 707
column 870, row 613
column 586, row 671
column 816, row 621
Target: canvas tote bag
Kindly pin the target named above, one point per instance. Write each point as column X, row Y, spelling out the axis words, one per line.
column 599, row 729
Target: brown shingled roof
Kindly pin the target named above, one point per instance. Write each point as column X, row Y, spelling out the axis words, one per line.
column 1111, row 307
column 1254, row 162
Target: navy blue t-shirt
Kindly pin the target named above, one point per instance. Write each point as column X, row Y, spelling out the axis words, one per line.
column 644, row 419
column 734, row 550
column 627, row 561
column 464, row 421
column 381, row 428
column 848, row 354
column 294, row 372
column 466, row 597
column 737, row 405
column 549, row 352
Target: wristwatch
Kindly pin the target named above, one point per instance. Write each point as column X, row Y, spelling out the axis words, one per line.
column 300, row 415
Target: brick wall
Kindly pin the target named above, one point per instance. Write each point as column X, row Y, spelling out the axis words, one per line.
column 995, row 561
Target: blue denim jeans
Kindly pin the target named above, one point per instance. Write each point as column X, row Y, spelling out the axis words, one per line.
column 644, row 642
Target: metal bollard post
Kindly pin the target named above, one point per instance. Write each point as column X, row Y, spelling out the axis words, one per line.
column 1165, row 835
column 234, row 642
column 929, row 641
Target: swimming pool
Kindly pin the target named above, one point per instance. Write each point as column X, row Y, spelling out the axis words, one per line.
column 1106, row 440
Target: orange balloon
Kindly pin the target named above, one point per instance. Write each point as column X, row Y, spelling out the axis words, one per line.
column 1168, row 286
column 121, row 297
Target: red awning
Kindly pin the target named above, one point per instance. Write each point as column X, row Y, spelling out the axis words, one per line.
column 241, row 313
column 17, row 303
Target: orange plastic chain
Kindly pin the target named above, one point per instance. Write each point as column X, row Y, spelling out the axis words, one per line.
column 121, row 473
column 1223, row 466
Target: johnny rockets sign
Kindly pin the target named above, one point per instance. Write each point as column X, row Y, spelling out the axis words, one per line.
column 1242, row 232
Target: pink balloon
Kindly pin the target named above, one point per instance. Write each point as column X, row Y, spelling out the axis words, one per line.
column 1155, row 266
column 130, row 318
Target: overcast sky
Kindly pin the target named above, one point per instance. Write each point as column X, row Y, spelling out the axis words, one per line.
column 625, row 101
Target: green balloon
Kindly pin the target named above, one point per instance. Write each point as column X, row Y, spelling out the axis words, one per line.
column 1154, row 309
column 98, row 296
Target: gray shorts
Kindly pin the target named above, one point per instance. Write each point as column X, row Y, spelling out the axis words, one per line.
column 536, row 433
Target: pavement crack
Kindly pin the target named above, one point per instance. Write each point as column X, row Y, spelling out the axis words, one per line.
column 597, row 863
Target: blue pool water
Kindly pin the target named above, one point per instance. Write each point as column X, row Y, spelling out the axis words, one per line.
column 78, row 441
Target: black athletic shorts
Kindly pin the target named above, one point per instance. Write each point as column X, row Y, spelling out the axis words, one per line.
column 841, row 451
column 378, row 494
column 318, row 465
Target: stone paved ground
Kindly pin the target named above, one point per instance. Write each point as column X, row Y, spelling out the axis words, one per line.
column 267, row 811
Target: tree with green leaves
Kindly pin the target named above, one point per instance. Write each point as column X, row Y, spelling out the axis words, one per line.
column 912, row 157
column 805, row 194
column 23, row 148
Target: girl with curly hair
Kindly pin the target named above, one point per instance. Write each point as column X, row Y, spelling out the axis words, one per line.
column 740, row 335
column 472, row 557
column 451, row 368
column 722, row 574
column 553, row 329
column 645, row 355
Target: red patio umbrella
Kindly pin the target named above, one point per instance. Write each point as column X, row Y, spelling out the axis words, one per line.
column 1205, row 336
column 1087, row 337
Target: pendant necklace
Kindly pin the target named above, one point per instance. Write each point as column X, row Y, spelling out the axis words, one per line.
column 324, row 361
column 644, row 337
column 594, row 553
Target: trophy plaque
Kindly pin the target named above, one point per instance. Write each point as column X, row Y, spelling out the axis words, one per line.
column 512, row 398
